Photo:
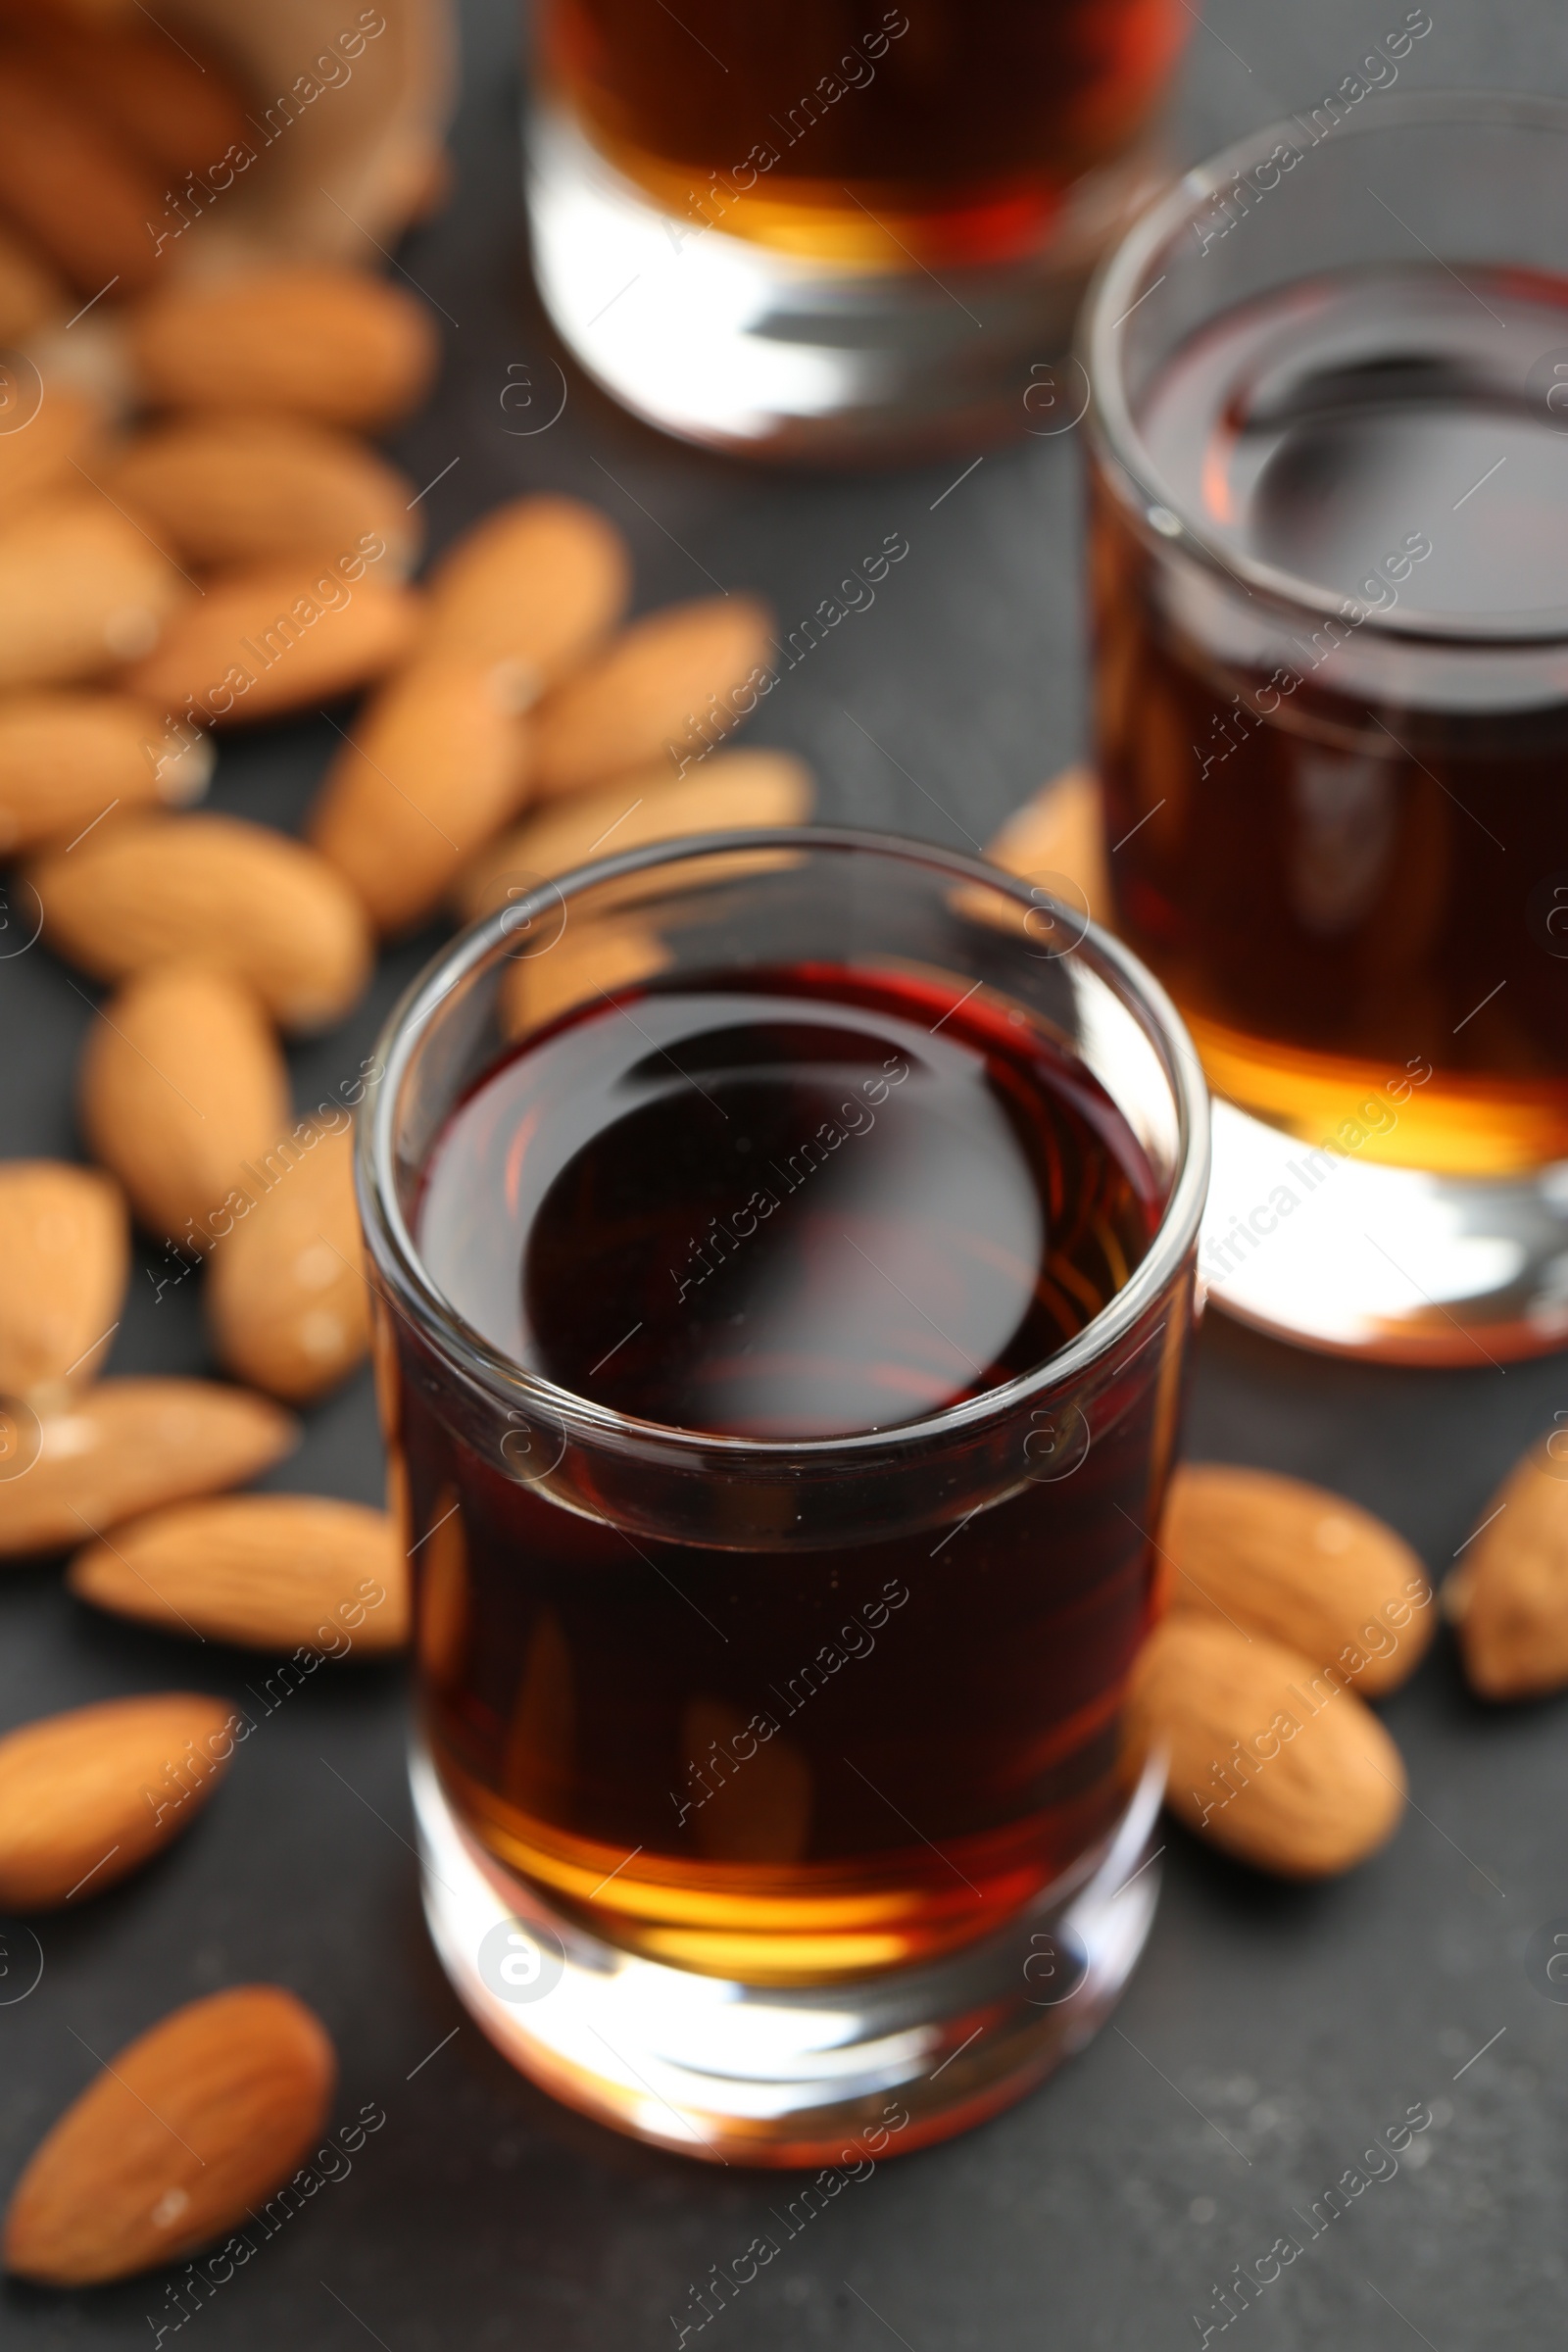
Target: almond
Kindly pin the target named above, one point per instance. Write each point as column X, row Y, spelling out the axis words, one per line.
column 1059, row 832
column 151, row 92
column 284, row 638
column 667, row 687
column 313, row 340
column 79, row 192
column 69, row 759
column 1276, row 1557
column 131, row 1445
column 182, row 1080
column 186, row 2129
column 29, row 292
column 44, row 452
column 286, row 1299
column 265, row 1571
column 1509, row 1601
column 539, row 581
column 64, row 1248
column 241, row 490
column 81, row 589
column 212, row 890
column 1281, row 1764
column 433, row 767
column 86, row 1797
column 730, row 790
column 596, row 956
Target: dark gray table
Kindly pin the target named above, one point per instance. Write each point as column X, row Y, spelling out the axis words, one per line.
column 1270, row 2032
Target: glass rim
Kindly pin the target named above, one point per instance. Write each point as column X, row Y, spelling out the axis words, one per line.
column 1114, row 293
column 396, row 1255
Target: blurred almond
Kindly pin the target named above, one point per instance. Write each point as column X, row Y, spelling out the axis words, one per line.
column 63, row 1246
column 732, row 789
column 1280, row 1557
column 1059, row 832
column 80, row 193
column 80, row 590
column 31, row 294
column 1278, row 1762
column 86, row 1797
column 213, row 889
column 177, row 111
column 1509, row 1600
column 186, row 2128
column 236, row 490
column 181, row 1082
column 131, row 1445
column 539, row 582
column 44, row 453
column 307, row 338
column 434, row 766
column 286, row 1299
column 68, row 760
column 265, row 1571
column 669, row 686
column 286, row 637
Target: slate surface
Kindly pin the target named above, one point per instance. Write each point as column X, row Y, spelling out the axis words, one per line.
column 1270, row 2032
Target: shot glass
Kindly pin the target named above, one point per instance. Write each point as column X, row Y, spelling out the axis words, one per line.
column 769, row 1767
column 786, row 231
column 1329, row 439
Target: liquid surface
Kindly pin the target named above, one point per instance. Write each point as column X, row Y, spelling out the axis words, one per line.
column 1320, row 429
column 812, row 1209
column 1348, row 862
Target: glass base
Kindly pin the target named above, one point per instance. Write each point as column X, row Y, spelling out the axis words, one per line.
column 737, row 2074
column 1391, row 1263
column 740, row 347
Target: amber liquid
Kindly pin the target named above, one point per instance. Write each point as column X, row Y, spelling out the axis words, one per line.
column 1350, row 868
column 944, row 131
column 785, row 1764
